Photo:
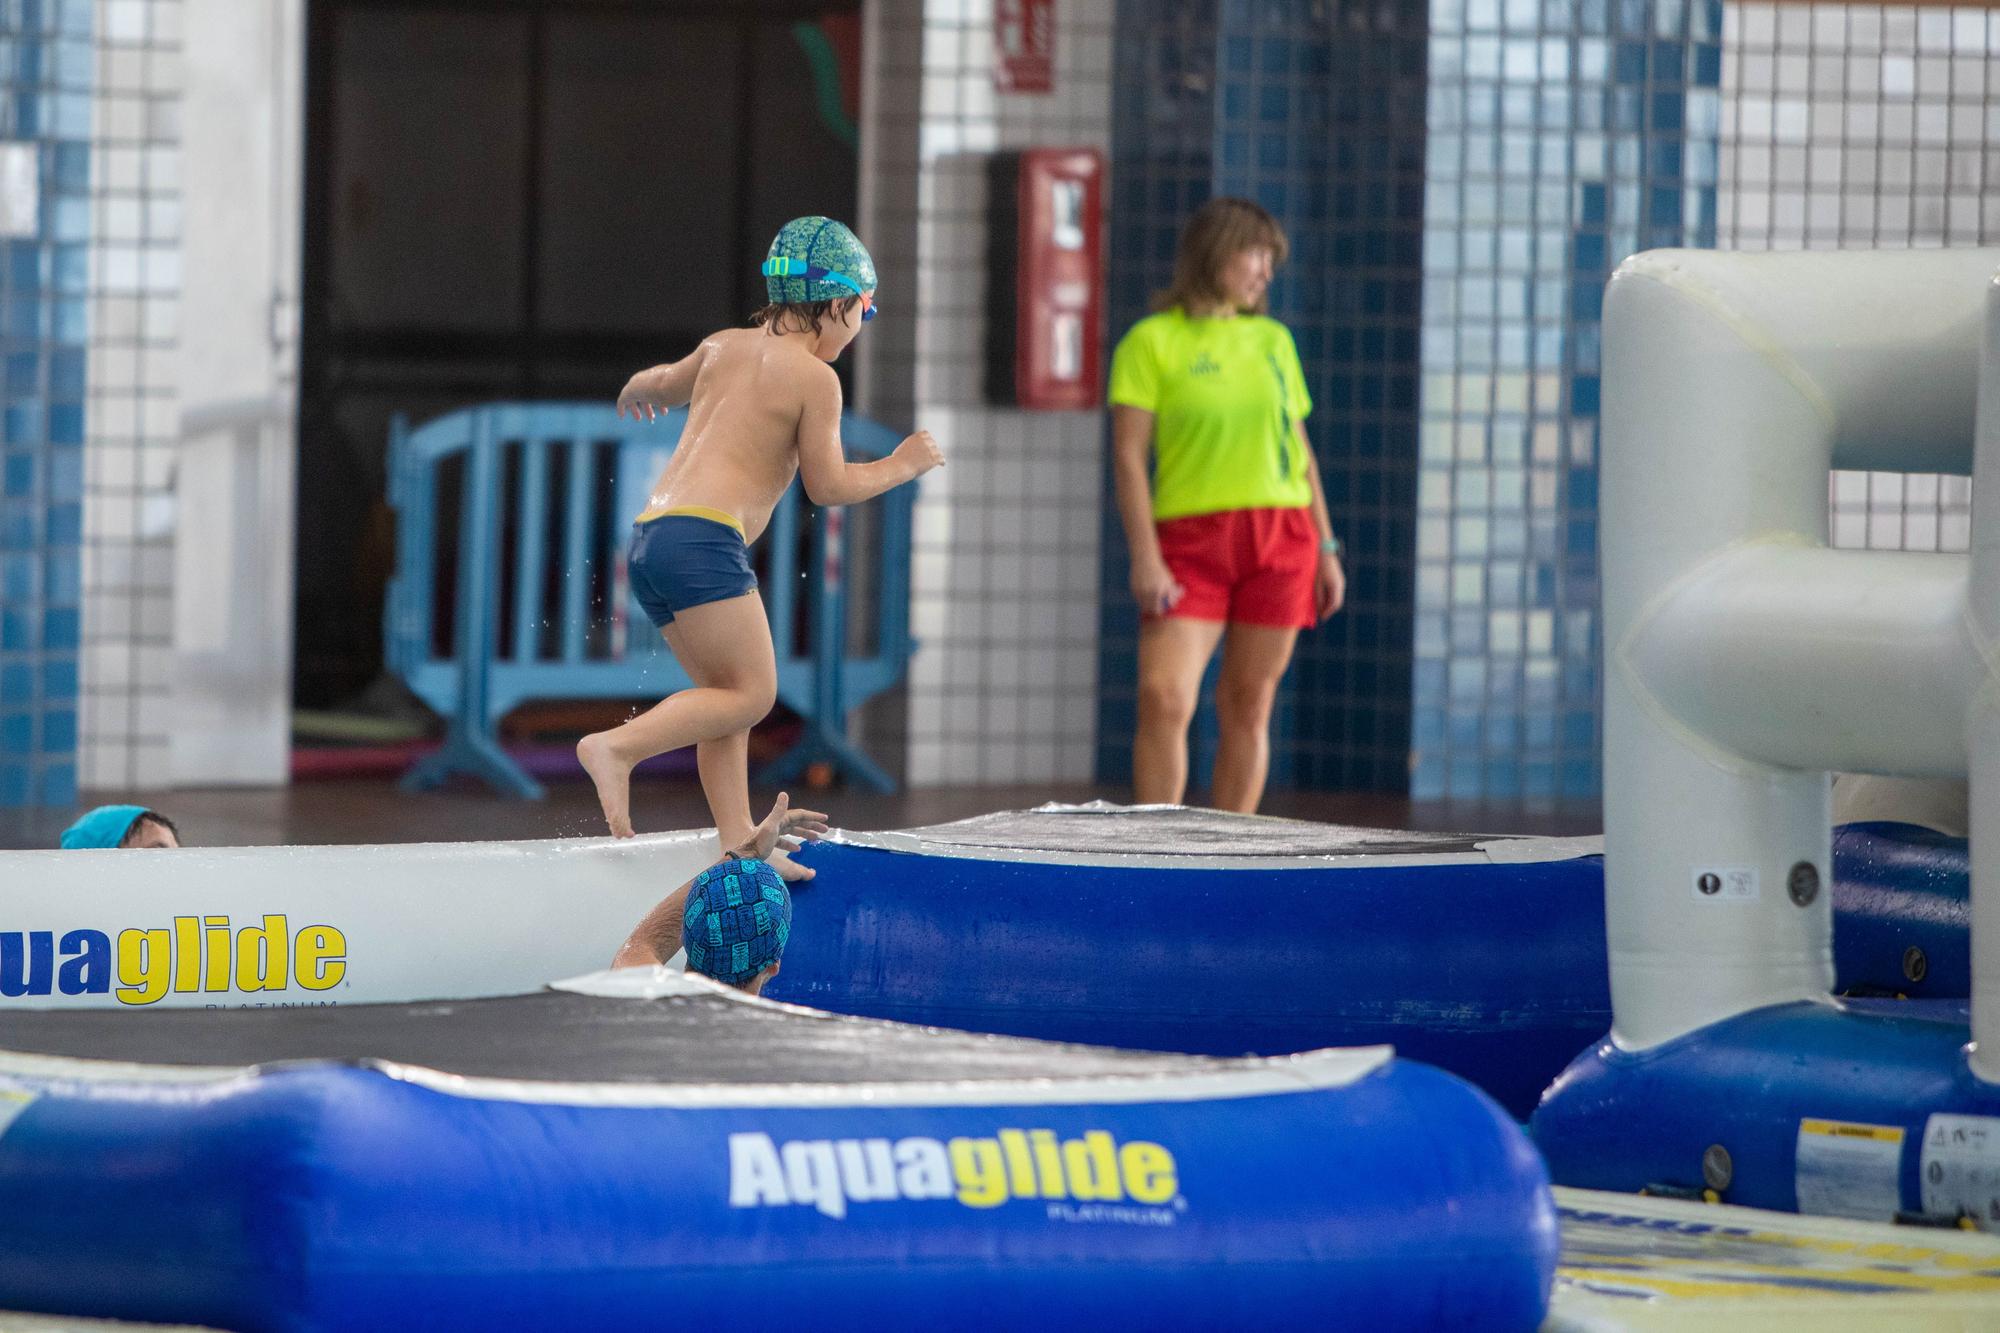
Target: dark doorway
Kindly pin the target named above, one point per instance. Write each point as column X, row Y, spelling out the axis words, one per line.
column 518, row 199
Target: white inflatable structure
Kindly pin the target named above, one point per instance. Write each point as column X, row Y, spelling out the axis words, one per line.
column 256, row 926
column 1745, row 659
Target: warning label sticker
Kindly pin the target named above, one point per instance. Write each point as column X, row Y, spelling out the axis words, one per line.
column 1725, row 884
column 1961, row 1168
column 1846, row 1169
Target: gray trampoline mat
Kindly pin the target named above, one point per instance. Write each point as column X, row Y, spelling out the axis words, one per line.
column 562, row 1036
column 1173, row 830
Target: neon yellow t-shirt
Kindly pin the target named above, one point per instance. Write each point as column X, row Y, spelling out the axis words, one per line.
column 1224, row 394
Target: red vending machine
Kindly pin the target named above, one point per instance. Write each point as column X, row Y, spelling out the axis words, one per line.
column 1045, row 347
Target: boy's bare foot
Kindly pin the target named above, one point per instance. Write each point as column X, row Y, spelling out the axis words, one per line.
column 613, row 778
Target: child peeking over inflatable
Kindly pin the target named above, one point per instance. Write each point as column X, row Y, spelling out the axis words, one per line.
column 734, row 918
column 121, row 826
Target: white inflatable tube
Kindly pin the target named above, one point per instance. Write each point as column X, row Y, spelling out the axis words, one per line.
column 238, row 926
column 1983, row 624
column 1807, row 658
column 1744, row 659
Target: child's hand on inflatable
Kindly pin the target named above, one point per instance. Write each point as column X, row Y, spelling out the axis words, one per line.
column 641, row 398
column 921, row 453
column 785, row 829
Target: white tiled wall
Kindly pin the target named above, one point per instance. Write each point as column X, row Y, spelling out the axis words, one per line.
column 133, row 414
column 1005, row 584
column 1864, row 126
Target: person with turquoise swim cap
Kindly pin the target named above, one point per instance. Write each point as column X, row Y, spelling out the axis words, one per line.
column 813, row 261
column 734, row 918
column 763, row 405
column 111, row 826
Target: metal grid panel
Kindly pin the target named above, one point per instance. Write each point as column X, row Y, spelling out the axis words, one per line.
column 129, row 513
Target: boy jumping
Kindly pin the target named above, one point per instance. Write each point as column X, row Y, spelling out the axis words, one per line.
column 763, row 403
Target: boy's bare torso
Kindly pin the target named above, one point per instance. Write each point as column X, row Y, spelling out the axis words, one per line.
column 739, row 449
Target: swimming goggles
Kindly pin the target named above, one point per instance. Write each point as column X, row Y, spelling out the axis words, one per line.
column 786, row 267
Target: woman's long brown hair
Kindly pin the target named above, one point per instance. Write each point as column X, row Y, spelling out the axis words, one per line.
column 1220, row 229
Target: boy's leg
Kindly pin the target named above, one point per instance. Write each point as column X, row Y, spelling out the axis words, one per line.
column 725, row 647
column 724, row 764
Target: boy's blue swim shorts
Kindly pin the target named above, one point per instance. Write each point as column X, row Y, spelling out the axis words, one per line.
column 684, row 558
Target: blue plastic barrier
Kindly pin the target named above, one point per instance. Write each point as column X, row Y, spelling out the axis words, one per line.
column 542, row 553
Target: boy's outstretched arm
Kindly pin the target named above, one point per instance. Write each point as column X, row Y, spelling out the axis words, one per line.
column 658, row 937
column 829, row 478
column 653, row 391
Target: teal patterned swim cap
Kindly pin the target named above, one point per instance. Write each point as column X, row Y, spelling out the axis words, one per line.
column 738, row 919
column 816, row 243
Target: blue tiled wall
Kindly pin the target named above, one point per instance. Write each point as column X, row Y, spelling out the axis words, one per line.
column 1162, row 164
column 1315, row 109
column 1562, row 139
column 46, row 63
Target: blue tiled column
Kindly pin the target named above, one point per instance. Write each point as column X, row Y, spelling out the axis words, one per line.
column 1322, row 122
column 1316, row 111
column 1162, row 164
column 1562, row 139
column 47, row 59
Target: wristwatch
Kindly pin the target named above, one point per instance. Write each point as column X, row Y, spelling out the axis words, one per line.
column 1329, row 546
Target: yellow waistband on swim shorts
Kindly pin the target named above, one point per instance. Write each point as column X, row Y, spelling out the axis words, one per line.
column 729, row 521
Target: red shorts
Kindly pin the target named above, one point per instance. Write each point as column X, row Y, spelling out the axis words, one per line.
column 1245, row 566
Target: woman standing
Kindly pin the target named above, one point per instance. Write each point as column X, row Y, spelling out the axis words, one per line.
column 1230, row 539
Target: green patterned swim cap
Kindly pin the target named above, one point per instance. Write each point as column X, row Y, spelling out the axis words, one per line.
column 816, row 259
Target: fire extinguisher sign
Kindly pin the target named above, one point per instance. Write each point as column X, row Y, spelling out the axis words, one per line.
column 1024, row 45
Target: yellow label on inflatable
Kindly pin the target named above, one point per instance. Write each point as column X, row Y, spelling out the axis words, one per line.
column 1847, row 1129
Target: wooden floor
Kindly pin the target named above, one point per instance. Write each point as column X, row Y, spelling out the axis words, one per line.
column 375, row 811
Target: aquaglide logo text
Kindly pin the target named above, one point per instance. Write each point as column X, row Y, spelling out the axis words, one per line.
column 832, row 1175
column 191, row 955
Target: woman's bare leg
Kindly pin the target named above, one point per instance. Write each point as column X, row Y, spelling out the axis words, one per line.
column 1173, row 653
column 1254, row 658
column 725, row 647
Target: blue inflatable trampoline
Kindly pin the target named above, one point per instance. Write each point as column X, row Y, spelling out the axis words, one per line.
column 1167, row 928
column 642, row 1148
